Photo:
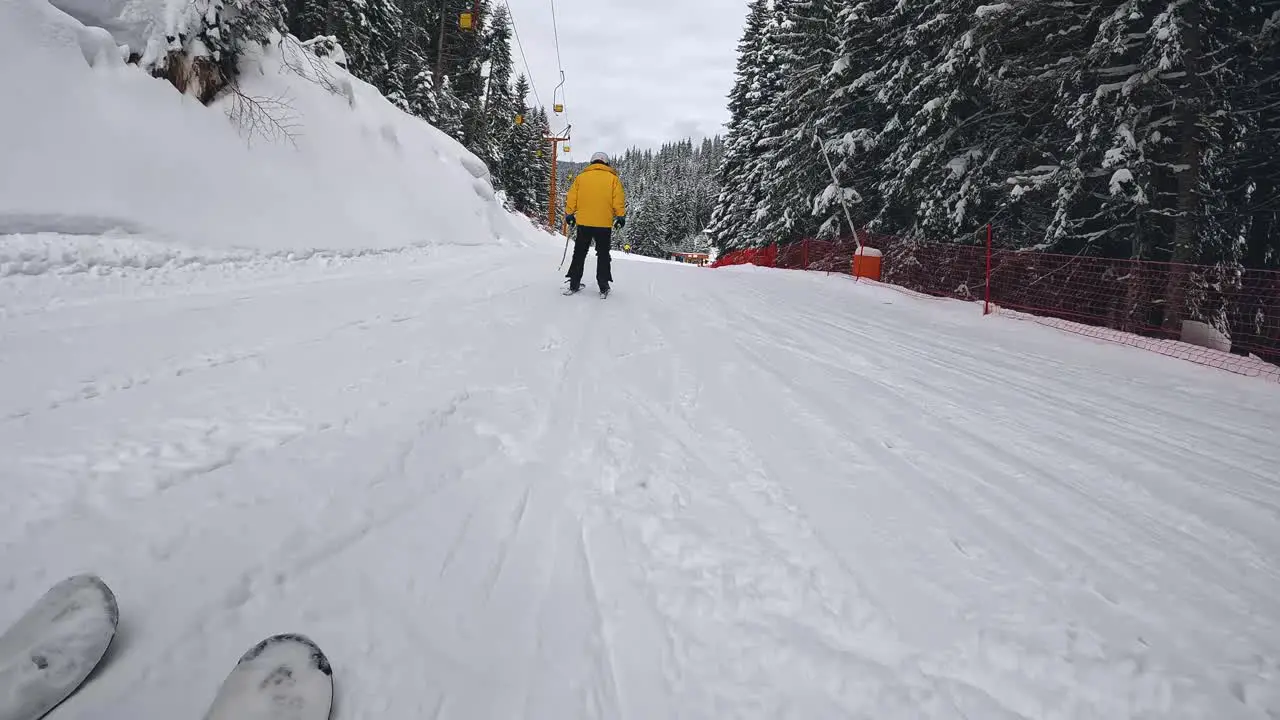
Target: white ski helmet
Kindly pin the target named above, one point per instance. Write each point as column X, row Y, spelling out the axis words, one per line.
column 600, row 157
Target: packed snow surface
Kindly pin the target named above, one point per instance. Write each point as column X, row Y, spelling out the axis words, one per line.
column 717, row 494
column 259, row 386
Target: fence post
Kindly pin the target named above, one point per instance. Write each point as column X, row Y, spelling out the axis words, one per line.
column 986, row 305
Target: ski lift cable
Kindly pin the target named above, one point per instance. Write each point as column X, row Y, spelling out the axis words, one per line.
column 555, row 30
column 528, row 71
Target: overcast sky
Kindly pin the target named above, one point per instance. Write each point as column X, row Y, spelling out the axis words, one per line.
column 638, row 72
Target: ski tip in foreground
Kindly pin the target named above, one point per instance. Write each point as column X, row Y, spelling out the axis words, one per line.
column 285, row 677
column 318, row 659
column 48, row 653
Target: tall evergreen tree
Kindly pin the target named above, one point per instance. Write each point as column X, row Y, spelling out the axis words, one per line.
column 520, row 165
column 732, row 214
column 1255, row 166
column 467, row 55
column 308, row 18
column 805, row 45
column 542, row 126
column 755, row 206
column 500, row 100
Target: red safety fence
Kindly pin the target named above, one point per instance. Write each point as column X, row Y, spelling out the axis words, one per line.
column 1224, row 318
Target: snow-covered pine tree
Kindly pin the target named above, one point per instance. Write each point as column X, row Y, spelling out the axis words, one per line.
column 1150, row 110
column 1104, row 200
column 706, row 182
column 933, row 144
column 1252, row 166
column 979, row 129
column 251, row 21
column 1256, row 167
column 206, row 40
column 395, row 45
column 386, row 38
column 450, row 111
column 425, row 95
column 754, row 203
column 542, row 128
column 308, row 18
column 854, row 115
column 519, row 164
column 533, row 172
column 372, row 34
column 1028, row 50
column 349, row 23
column 500, row 102
column 467, row 52
column 1242, row 166
column 674, row 191
column 732, row 214
column 1198, row 49
column 420, row 21
column 804, row 52
column 644, row 232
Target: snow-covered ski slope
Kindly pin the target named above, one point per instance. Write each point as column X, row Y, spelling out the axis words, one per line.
column 719, row 494
column 228, row 389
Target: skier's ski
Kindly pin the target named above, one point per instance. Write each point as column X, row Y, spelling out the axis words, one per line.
column 49, row 652
column 285, row 677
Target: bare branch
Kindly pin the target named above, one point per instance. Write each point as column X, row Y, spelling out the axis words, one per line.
column 303, row 62
column 272, row 118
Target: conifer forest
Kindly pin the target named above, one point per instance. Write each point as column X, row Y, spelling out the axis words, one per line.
column 1121, row 128
column 463, row 81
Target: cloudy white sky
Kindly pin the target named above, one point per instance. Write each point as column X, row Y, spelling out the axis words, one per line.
column 639, row 72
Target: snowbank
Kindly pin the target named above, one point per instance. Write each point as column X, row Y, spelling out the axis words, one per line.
column 71, row 254
column 90, row 143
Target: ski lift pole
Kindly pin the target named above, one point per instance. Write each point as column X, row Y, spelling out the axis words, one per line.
column 553, row 205
column 831, row 168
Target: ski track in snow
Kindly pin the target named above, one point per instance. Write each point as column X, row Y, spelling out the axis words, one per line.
column 717, row 494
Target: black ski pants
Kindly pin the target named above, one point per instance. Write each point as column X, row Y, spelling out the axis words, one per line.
column 602, row 238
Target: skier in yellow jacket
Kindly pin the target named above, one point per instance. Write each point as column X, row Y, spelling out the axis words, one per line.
column 596, row 204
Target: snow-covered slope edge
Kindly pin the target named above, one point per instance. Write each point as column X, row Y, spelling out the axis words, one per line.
column 91, row 144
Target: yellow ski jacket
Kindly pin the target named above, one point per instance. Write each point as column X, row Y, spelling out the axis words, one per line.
column 596, row 197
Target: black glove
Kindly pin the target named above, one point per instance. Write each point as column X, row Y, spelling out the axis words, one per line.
column 620, row 221
column 573, row 221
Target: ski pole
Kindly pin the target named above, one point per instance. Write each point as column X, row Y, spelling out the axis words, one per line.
column 566, row 249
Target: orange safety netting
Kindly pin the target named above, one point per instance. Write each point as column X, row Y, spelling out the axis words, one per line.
column 1232, row 316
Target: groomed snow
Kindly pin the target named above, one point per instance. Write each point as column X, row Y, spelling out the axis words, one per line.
column 333, row 389
column 719, row 493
